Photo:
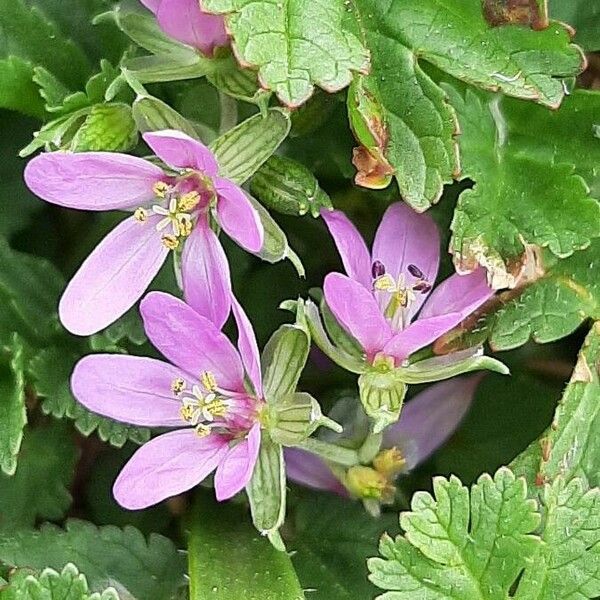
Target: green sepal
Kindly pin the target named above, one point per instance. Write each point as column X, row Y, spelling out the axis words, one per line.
column 164, row 68
column 241, row 151
column 288, row 187
column 309, row 312
column 266, row 490
column 444, row 367
column 283, row 360
column 275, row 244
column 382, row 395
column 296, row 417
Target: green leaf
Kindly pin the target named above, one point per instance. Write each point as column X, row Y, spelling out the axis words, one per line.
column 29, row 290
column 400, row 116
column 460, row 546
column 566, row 566
column 519, row 197
column 283, row 360
column 228, row 558
column 583, row 16
column 266, row 490
column 331, row 540
column 17, row 90
column 13, row 415
column 455, row 37
column 295, row 44
column 571, row 445
column 551, row 307
column 39, row 488
column 122, row 558
column 28, row 34
column 69, row 584
column 241, row 151
column 287, row 186
column 51, row 371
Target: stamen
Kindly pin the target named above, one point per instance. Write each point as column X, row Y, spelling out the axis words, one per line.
column 422, row 286
column 415, row 271
column 140, row 215
column 177, row 386
column 184, row 223
column 188, row 201
column 208, row 381
column 377, row 269
column 170, row 242
column 216, row 408
column 385, row 283
column 187, row 412
column 160, row 189
column 202, row 430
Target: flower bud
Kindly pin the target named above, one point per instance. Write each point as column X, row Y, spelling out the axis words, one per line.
column 382, row 393
column 296, row 417
column 367, row 483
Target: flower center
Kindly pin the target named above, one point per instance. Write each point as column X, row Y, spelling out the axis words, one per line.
column 203, row 405
column 178, row 205
column 399, row 294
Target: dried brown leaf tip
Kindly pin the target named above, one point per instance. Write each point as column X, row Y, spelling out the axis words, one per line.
column 517, row 12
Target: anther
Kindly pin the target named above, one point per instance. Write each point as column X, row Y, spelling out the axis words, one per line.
column 160, row 189
column 202, row 430
column 377, row 269
column 188, row 201
column 170, row 242
column 415, row 271
column 140, row 215
column 178, row 385
column 422, row 287
column 208, row 381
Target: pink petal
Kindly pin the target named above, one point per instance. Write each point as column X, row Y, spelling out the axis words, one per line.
column 205, row 272
column 459, row 293
column 151, row 4
column 185, row 21
column 235, row 470
column 357, row 311
column 166, row 466
column 309, row 470
column 420, row 334
column 431, row 417
column 351, row 246
column 131, row 389
column 113, row 277
column 180, row 151
column 191, row 341
column 405, row 237
column 92, row 180
column 451, row 302
column 237, row 216
column 247, row 346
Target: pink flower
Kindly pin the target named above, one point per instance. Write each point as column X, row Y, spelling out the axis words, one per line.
column 171, row 209
column 426, row 423
column 185, row 21
column 378, row 300
column 201, row 395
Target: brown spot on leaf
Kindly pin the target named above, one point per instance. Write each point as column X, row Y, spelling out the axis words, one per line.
column 516, row 12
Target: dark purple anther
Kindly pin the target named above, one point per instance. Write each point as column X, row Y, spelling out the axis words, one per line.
column 422, row 287
column 377, row 269
column 415, row 271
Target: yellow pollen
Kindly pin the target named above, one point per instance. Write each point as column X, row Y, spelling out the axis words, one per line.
column 140, row 215
column 390, row 463
column 384, row 283
column 208, row 381
column 202, row 430
column 160, row 189
column 187, row 412
column 184, row 223
column 216, row 408
column 188, row 201
column 170, row 242
column 177, row 386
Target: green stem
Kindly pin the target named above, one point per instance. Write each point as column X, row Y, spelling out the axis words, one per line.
column 229, row 112
column 337, row 454
column 371, row 446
